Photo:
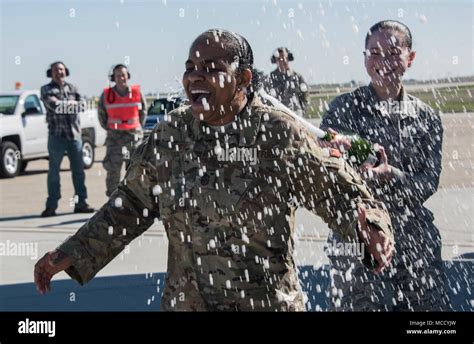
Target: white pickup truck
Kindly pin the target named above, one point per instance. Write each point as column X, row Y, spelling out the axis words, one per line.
column 24, row 132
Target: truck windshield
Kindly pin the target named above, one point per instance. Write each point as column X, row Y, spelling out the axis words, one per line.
column 8, row 104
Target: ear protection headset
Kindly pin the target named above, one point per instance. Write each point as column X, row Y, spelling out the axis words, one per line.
column 120, row 65
column 49, row 72
column 273, row 59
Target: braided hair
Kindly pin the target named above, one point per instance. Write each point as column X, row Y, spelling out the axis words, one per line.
column 241, row 55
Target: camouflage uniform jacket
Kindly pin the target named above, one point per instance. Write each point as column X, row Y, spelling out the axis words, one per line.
column 411, row 133
column 230, row 222
column 290, row 89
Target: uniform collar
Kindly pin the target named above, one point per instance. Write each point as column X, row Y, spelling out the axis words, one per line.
column 244, row 128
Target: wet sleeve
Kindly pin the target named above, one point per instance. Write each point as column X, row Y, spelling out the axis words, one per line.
column 330, row 188
column 420, row 183
column 336, row 116
column 131, row 210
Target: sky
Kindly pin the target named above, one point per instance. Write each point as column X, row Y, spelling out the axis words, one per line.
column 153, row 37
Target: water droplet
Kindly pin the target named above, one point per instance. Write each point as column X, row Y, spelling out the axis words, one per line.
column 247, row 277
column 212, row 243
column 205, row 104
column 157, row 190
column 211, row 280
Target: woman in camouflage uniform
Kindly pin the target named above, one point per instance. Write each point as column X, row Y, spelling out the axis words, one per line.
column 225, row 175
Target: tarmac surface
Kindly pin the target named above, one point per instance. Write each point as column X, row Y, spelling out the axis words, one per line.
column 134, row 280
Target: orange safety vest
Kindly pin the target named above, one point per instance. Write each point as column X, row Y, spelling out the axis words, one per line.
column 122, row 112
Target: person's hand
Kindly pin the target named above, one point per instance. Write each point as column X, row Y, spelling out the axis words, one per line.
column 382, row 171
column 378, row 244
column 51, row 263
column 338, row 141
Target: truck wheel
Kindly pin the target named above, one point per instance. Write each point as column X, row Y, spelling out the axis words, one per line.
column 10, row 160
column 88, row 153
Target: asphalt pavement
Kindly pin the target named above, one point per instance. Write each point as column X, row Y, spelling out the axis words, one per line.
column 143, row 263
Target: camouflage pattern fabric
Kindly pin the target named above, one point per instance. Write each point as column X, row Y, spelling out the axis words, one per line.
column 411, row 133
column 290, row 89
column 229, row 217
column 120, row 145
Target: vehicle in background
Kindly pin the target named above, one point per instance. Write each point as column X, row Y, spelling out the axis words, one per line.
column 158, row 109
column 24, row 132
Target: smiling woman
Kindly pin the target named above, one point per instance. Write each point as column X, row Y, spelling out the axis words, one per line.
column 218, row 76
column 409, row 134
column 229, row 218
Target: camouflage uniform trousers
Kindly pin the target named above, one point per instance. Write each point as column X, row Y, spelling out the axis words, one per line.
column 415, row 280
column 120, row 146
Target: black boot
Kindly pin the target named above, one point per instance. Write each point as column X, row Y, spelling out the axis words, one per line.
column 48, row 212
column 83, row 208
